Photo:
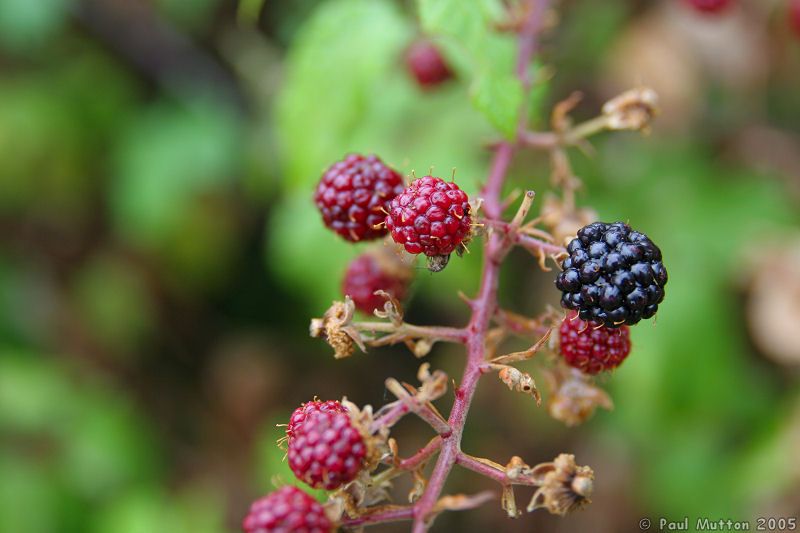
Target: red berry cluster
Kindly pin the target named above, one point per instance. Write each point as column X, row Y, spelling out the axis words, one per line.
column 592, row 347
column 354, row 194
column 431, row 216
column 426, row 64
column 286, row 510
column 325, row 450
column 365, row 275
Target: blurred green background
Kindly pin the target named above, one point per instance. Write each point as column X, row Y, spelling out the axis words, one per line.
column 160, row 257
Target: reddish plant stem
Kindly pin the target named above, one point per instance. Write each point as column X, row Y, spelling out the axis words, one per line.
column 471, row 463
column 400, row 408
column 484, row 306
column 422, row 455
column 380, row 516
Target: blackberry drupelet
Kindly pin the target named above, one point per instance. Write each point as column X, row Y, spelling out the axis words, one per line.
column 613, row 275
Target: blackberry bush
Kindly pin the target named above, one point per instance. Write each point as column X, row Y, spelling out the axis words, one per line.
column 613, row 275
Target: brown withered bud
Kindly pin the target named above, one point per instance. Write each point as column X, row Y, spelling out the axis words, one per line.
column 564, row 221
column 334, row 327
column 574, row 397
column 563, row 485
column 632, row 110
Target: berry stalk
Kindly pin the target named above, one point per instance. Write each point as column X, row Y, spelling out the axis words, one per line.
column 484, row 306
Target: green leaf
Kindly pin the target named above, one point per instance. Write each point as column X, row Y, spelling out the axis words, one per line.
column 499, row 99
column 467, row 29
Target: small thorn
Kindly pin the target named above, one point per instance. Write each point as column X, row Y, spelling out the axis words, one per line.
column 414, row 174
column 598, row 326
column 353, row 235
column 379, row 225
column 453, row 174
column 430, row 170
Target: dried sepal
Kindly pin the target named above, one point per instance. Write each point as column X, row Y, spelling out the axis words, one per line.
column 518, row 469
column 519, row 381
column 508, row 502
column 336, row 328
column 418, row 486
column 574, row 397
column 632, row 110
column 563, row 485
column 525, row 354
column 392, row 309
column 376, row 443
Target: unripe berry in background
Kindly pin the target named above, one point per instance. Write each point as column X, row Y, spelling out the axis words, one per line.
column 353, row 196
column 794, row 16
column 430, row 216
column 613, row 275
column 709, row 6
column 426, row 64
column 373, row 271
column 590, row 347
column 284, row 510
column 326, row 450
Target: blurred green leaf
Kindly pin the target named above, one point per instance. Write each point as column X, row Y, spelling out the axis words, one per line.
column 495, row 91
column 168, row 156
column 26, row 23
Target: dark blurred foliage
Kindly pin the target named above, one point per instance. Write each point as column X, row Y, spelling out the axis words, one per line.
column 160, row 258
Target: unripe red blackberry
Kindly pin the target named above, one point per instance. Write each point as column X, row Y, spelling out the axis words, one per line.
column 426, row 64
column 286, row 510
column 299, row 415
column 794, row 16
column 354, row 194
column 591, row 347
column 371, row 272
column 326, row 450
column 613, row 275
column 709, row 6
column 430, row 216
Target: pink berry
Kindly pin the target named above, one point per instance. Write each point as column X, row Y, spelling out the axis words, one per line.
column 592, row 348
column 299, row 415
column 354, row 194
column 326, row 450
column 431, row 216
column 285, row 510
column 427, row 65
column 709, row 6
column 366, row 274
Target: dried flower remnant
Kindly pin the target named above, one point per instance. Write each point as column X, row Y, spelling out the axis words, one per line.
column 632, row 110
column 563, row 485
column 574, row 397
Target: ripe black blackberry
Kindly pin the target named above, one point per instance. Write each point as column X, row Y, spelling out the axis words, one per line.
column 613, row 275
